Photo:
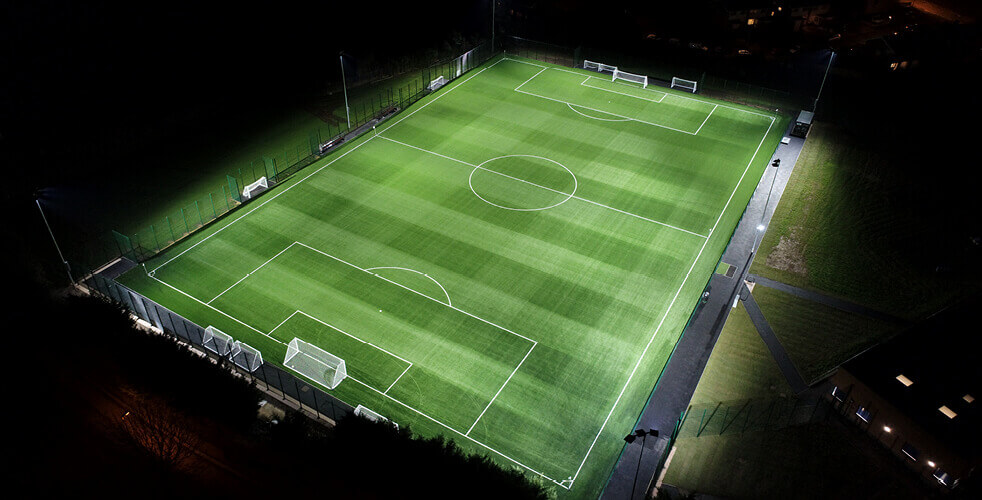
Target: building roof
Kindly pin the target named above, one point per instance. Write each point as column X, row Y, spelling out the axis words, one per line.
column 942, row 362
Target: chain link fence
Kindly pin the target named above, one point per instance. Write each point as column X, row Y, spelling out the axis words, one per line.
column 370, row 103
column 266, row 375
column 749, row 415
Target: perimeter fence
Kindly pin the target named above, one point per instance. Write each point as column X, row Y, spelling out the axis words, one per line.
column 266, row 375
column 750, row 415
column 661, row 68
column 369, row 104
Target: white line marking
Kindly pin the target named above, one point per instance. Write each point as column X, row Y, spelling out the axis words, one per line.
column 397, row 379
column 597, row 118
column 342, row 155
column 510, row 459
column 547, row 188
column 500, row 389
column 332, row 327
column 673, row 94
column 284, row 321
column 417, row 272
column 707, row 119
column 470, row 183
column 251, row 273
column 455, row 308
column 672, row 303
column 583, row 83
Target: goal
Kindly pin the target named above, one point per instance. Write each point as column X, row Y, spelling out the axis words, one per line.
column 364, row 412
column 631, row 77
column 599, row 67
column 245, row 356
column 217, row 341
column 686, row 85
column 436, row 83
column 255, row 188
column 315, row 363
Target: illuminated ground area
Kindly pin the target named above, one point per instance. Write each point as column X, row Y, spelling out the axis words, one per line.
column 508, row 263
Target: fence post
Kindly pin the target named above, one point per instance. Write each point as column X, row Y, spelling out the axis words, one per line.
column 214, row 211
column 154, row 233
column 171, row 227
column 198, row 208
column 187, row 228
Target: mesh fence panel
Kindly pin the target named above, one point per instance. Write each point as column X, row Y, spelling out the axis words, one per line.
column 249, row 360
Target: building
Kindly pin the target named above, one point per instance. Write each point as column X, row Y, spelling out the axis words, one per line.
column 918, row 395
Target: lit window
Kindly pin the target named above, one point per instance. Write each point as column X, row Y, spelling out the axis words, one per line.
column 863, row 413
column 838, row 394
column 887, row 428
column 751, row 22
column 904, row 380
column 893, row 65
column 947, row 412
column 968, row 398
column 910, row 451
column 941, row 476
column 931, row 464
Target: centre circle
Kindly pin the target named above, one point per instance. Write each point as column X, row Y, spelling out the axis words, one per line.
column 522, row 183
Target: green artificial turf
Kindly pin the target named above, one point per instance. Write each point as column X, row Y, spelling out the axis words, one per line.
column 519, row 268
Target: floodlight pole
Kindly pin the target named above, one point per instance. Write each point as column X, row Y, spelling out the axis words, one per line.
column 492, row 24
column 827, row 68
column 58, row 248
column 344, row 86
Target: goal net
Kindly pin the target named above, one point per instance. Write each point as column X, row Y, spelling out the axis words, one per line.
column 217, row 341
column 245, row 356
column 599, row 67
column 315, row 363
column 631, row 77
column 436, row 83
column 363, row 412
column 255, row 188
column 686, row 85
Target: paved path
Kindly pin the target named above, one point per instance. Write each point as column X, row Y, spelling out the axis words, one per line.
column 843, row 305
column 780, row 355
column 675, row 386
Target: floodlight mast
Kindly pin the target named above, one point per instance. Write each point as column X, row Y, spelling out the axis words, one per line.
column 344, row 86
column 68, row 268
column 827, row 68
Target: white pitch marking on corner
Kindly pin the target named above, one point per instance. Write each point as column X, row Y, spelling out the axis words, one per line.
column 672, row 303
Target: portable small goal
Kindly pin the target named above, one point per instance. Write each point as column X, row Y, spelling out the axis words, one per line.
column 436, row 83
column 364, row 412
column 255, row 188
column 245, row 356
column 315, row 363
column 683, row 84
column 599, row 67
column 217, row 341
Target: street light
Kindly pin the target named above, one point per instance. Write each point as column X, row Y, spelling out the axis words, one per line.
column 639, row 433
column 763, row 213
column 827, row 68
column 37, row 199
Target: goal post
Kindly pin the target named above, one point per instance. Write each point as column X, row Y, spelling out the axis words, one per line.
column 683, row 84
column 631, row 77
column 364, row 412
column 436, row 83
column 255, row 188
column 245, row 356
column 598, row 67
column 217, row 341
column 315, row 363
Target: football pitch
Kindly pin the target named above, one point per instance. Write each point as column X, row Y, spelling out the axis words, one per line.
column 509, row 262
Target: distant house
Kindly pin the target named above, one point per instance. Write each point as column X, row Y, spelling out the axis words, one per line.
column 751, row 13
column 918, row 395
